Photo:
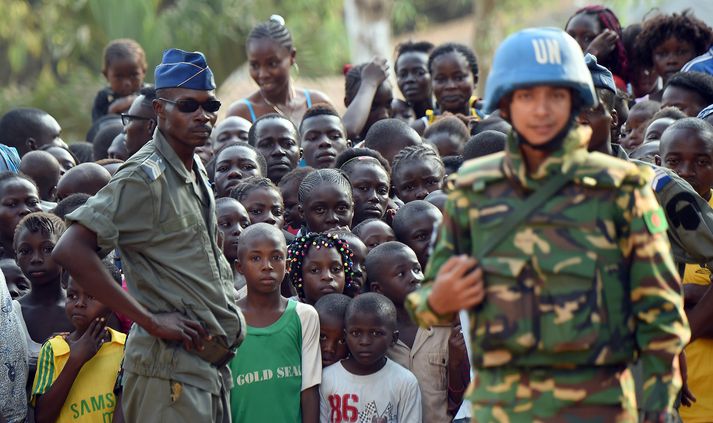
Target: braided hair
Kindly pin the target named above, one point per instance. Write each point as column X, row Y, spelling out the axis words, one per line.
column 273, row 29
column 46, row 224
column 467, row 52
column 320, row 177
column 248, row 185
column 424, row 47
column 298, row 249
column 419, row 152
column 608, row 20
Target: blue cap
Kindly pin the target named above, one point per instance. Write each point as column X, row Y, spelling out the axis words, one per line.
column 9, row 159
column 184, row 69
column 601, row 76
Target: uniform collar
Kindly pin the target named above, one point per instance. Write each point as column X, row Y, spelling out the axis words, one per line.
column 573, row 151
column 174, row 161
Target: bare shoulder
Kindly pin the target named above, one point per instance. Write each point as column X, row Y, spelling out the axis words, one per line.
column 319, row 97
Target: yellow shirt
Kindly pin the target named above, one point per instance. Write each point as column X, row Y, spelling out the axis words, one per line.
column 91, row 398
column 698, row 359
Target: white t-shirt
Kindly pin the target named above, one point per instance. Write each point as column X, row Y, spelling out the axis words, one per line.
column 390, row 395
column 13, row 359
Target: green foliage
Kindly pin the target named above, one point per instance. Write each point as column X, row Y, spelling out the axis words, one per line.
column 53, row 48
column 411, row 15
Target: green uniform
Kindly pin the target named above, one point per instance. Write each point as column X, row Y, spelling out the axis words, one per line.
column 161, row 219
column 574, row 293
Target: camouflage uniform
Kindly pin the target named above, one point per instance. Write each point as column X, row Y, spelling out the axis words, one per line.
column 581, row 288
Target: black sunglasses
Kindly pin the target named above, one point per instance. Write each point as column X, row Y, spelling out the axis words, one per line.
column 127, row 118
column 190, row 105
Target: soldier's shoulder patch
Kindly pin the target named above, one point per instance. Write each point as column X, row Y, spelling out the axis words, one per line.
column 655, row 220
column 605, row 171
column 660, row 180
column 478, row 172
column 153, row 166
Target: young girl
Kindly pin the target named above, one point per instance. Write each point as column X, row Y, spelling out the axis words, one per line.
column 233, row 162
column 18, row 198
column 454, row 75
column 124, row 69
column 368, row 96
column 319, row 264
column 261, row 199
column 325, row 201
column 370, row 184
column 289, row 185
column 416, row 172
column 270, row 56
column 413, row 77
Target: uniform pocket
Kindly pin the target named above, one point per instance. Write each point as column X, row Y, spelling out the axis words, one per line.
column 438, row 369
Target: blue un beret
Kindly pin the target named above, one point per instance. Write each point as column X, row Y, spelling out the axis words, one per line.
column 184, row 69
column 601, row 76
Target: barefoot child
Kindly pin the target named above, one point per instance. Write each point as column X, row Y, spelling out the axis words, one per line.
column 366, row 386
column 278, row 369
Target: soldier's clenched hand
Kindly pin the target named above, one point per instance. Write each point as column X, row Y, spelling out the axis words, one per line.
column 458, row 285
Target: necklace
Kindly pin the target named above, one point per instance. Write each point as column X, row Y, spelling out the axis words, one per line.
column 274, row 106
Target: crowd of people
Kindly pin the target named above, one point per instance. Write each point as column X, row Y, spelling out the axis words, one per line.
column 543, row 253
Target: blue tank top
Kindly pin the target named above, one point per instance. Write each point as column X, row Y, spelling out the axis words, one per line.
column 252, row 111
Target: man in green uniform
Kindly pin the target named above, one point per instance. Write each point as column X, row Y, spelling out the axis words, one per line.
column 560, row 255
column 159, row 213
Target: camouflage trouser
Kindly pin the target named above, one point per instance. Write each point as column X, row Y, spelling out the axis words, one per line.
column 591, row 394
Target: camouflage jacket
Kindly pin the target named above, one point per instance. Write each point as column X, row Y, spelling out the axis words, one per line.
column 586, row 280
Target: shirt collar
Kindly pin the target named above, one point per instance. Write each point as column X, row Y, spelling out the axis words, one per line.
column 174, row 161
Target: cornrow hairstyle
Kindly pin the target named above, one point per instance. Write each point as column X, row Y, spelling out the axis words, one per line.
column 252, row 136
column 124, row 49
column 352, row 82
column 299, row 248
column 467, row 52
column 450, row 125
column 272, row 29
column 297, row 175
column 421, row 152
column 248, row 185
column 608, row 20
column 320, row 109
column 352, row 153
column 260, row 159
column 333, row 305
column 697, row 82
column 320, row 177
column 8, row 175
column 424, row 47
column 669, row 112
column 683, row 26
column 46, row 224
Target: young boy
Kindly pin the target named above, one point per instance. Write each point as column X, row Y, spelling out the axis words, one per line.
column 436, row 355
column 633, row 130
column 332, row 341
column 77, row 372
column 322, row 136
column 44, row 169
column 278, row 370
column 367, row 386
column 553, row 328
column 373, row 232
column 415, row 224
column 448, row 135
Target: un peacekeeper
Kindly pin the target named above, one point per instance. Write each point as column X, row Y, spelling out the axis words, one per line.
column 690, row 218
column 158, row 212
column 560, row 255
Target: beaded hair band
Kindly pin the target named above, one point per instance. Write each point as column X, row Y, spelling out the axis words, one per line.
column 299, row 248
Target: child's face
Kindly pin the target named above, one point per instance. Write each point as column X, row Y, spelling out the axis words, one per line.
column 18, row 198
column 327, row 208
column 643, row 81
column 376, row 233
column 17, row 283
column 447, row 144
column 368, row 339
column 262, row 263
column 688, row 154
column 419, row 233
column 400, row 110
column 656, row 128
column 600, row 120
column 417, row 178
column 453, row 82
column 359, row 277
column 231, row 129
column 322, row 273
column 232, row 219
column 276, row 139
column 399, row 277
column 66, row 161
column 413, row 77
column 331, row 339
column 269, row 65
column 370, row 187
column 232, row 166
column 265, row 205
column 670, row 56
column 292, row 212
column 632, row 131
column 687, row 101
column 125, row 76
column 380, row 106
column 34, row 256
column 322, row 140
column 584, row 29
column 82, row 308
column 541, row 112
